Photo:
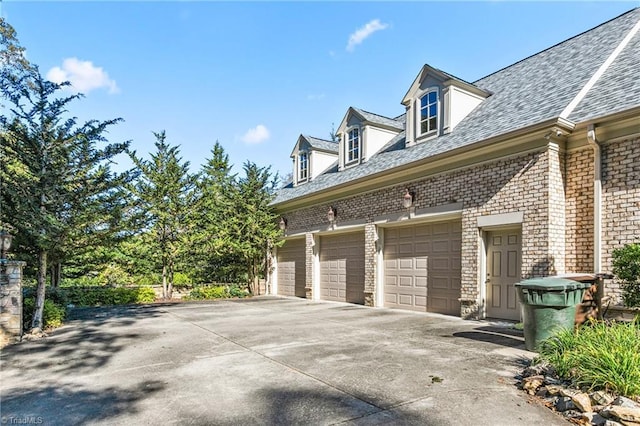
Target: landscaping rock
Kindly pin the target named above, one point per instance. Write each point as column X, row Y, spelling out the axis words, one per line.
column 601, row 398
column 532, row 383
column 582, row 401
column 564, row 404
column 622, row 413
column 625, row 402
column 553, row 389
column 611, row 423
column 535, row 370
column 542, row 392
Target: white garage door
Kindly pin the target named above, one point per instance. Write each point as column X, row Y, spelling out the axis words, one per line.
column 292, row 268
column 422, row 267
column 342, row 267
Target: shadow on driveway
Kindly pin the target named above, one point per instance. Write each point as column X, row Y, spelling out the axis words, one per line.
column 73, row 405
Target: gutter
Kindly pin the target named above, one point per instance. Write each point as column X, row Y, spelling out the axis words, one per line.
column 597, row 198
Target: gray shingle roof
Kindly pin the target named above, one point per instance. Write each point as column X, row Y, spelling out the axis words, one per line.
column 528, row 92
column 380, row 119
column 322, row 144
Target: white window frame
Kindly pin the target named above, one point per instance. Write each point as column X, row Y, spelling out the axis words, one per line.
column 349, row 150
column 419, row 108
column 303, row 171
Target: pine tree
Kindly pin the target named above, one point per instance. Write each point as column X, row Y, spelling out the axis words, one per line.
column 254, row 226
column 164, row 196
column 55, row 178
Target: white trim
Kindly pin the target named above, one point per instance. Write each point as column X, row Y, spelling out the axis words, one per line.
column 482, row 270
column 595, row 77
column 515, row 218
column 429, row 214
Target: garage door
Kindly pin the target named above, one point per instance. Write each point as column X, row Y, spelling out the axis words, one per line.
column 422, row 267
column 342, row 267
column 292, row 268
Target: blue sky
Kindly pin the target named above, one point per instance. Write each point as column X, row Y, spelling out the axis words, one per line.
column 254, row 76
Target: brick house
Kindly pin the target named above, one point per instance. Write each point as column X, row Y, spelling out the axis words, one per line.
column 533, row 170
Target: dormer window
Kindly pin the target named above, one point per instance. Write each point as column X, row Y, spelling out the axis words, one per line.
column 353, row 145
column 303, row 166
column 429, row 113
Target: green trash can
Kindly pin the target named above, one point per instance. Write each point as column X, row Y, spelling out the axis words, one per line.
column 548, row 304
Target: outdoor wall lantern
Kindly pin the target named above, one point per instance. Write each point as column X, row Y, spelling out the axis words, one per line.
column 408, row 198
column 332, row 214
column 5, row 243
column 283, row 224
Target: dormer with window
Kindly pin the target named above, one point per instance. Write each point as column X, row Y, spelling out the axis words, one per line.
column 436, row 103
column 362, row 134
column 311, row 157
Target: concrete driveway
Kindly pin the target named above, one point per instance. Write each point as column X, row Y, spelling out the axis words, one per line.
column 267, row 361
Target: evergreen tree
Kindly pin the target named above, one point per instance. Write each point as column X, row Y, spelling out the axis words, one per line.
column 255, row 225
column 211, row 248
column 164, row 196
column 55, row 178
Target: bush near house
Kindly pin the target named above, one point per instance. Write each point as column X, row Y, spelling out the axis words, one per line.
column 96, row 296
column 216, row 292
column 53, row 314
column 598, row 356
column 626, row 266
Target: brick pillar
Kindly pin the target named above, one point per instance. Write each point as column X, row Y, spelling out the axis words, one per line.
column 557, row 212
column 309, row 260
column 370, row 238
column 11, row 302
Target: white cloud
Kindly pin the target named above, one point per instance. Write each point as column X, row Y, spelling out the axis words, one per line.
column 362, row 33
column 258, row 134
column 315, row 97
column 83, row 76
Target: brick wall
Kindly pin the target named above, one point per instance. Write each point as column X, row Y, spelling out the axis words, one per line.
column 308, row 283
column 579, row 211
column 620, row 200
column 519, row 184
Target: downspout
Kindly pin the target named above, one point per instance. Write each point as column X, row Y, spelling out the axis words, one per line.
column 597, row 217
column 597, row 199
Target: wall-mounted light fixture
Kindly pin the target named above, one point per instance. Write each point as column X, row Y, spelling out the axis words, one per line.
column 282, row 224
column 408, row 198
column 332, row 214
column 5, row 243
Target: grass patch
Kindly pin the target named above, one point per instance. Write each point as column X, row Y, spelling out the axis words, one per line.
column 598, row 356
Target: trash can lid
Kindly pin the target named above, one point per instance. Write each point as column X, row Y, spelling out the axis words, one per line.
column 552, row 283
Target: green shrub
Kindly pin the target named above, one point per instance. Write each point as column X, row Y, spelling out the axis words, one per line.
column 237, row 291
column 52, row 314
column 598, row 356
column 216, row 292
column 181, row 280
column 208, row 292
column 626, row 266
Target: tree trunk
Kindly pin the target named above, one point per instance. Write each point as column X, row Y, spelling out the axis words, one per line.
column 170, row 285
column 37, row 324
column 55, row 273
column 164, row 280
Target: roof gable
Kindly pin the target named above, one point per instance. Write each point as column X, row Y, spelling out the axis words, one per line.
column 443, row 78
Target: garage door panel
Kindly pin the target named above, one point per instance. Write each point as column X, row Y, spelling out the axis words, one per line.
column 342, row 267
column 292, row 268
column 433, row 253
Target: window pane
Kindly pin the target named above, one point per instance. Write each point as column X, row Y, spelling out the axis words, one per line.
column 432, row 123
column 433, row 110
column 423, row 101
column 423, row 113
column 432, row 97
column 423, row 127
